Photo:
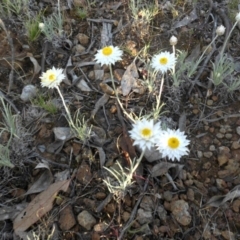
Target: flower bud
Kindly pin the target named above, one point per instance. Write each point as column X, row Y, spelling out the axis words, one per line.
column 173, row 41
column 41, row 25
column 220, row 30
column 238, row 17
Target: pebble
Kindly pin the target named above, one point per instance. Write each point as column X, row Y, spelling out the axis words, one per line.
column 199, row 154
column 86, row 220
column 222, row 159
column 79, row 49
column 219, row 135
column 207, row 154
column 162, row 213
column 147, row 203
column 83, row 39
column 66, row 218
column 28, row 92
column 100, row 227
column 238, row 130
column 221, row 184
column 212, row 148
column 228, row 135
column 144, row 216
column 167, row 195
column 222, row 130
column 126, row 216
column 209, row 102
column 190, row 194
column 235, row 145
column 179, row 210
column 236, row 205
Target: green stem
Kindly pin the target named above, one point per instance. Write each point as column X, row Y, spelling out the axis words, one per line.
column 65, row 106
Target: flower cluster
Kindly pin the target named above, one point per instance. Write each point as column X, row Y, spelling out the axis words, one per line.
column 170, row 143
column 163, row 61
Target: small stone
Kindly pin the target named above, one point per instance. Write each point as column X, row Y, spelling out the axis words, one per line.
column 167, row 195
column 126, row 216
column 219, row 135
column 228, row 135
column 84, row 174
column 91, row 75
column 238, row 130
column 195, row 111
column 28, row 92
column 190, row 194
column 162, row 213
column 144, row 216
column 83, row 39
column 221, row 184
column 100, row 227
column 199, row 154
column 66, row 218
column 222, row 130
column 209, row 102
column 79, row 49
column 147, row 203
column 235, row 145
column 86, row 220
column 207, row 154
column 222, row 159
column 179, row 210
column 207, row 166
column 212, row 148
column 100, row 195
column 236, row 205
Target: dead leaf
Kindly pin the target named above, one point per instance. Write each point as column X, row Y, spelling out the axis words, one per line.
column 186, row 20
column 102, row 156
column 39, row 206
column 42, row 183
column 129, row 79
column 163, row 167
column 218, row 201
column 101, row 102
column 37, row 67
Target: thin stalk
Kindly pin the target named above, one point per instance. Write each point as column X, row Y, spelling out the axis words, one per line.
column 116, row 94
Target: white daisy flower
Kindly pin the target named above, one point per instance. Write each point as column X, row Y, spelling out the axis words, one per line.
column 172, row 144
column 145, row 133
column 52, row 77
column 163, row 61
column 108, row 55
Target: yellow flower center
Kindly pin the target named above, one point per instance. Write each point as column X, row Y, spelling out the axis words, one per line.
column 107, row 51
column 173, row 142
column 163, row 60
column 52, row 77
column 146, row 132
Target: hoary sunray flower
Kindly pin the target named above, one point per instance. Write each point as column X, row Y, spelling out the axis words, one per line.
column 52, row 77
column 108, row 55
column 163, row 61
column 172, row 144
column 145, row 133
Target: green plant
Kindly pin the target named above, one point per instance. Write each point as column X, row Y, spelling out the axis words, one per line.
column 45, row 103
column 82, row 13
column 80, row 127
column 221, row 69
column 9, row 120
column 53, row 25
column 5, row 156
column 14, row 7
column 32, row 27
column 146, row 11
